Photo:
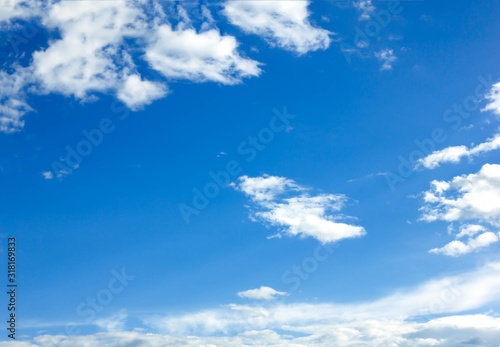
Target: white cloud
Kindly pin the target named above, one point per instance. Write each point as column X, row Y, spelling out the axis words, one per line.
column 494, row 99
column 96, row 51
column 455, row 153
column 199, row 57
column 365, row 7
column 387, row 57
column 13, row 103
column 90, row 57
column 470, row 230
column 136, row 92
column 474, row 196
column 281, row 23
column 457, row 248
column 19, row 9
column 266, row 188
column 387, row 318
column 300, row 215
column 48, row 175
column 114, row 323
column 440, row 304
column 262, row 293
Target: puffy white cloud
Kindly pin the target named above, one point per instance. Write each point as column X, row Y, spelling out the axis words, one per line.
column 262, row 293
column 281, row 23
column 365, row 7
column 473, row 196
column 457, row 248
column 90, row 57
column 265, row 188
column 300, row 215
column 494, row 99
column 387, row 57
column 19, row 9
column 455, row 153
column 199, row 57
column 13, row 103
column 135, row 92
column 469, row 197
column 97, row 48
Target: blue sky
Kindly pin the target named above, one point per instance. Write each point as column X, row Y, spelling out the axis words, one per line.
column 341, row 94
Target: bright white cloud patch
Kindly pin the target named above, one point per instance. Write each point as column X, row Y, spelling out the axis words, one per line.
column 281, row 23
column 474, row 196
column 457, row 248
column 494, row 99
column 299, row 214
column 90, row 56
column 387, row 58
column 456, row 153
column 262, row 293
column 199, row 57
column 18, row 9
column 97, row 53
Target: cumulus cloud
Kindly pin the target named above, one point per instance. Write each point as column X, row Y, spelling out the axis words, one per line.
column 387, row 58
column 365, row 7
column 90, row 55
column 262, row 293
column 473, row 196
column 299, row 214
column 19, row 9
column 455, row 153
column 96, row 51
column 284, row 24
column 199, row 57
column 493, row 99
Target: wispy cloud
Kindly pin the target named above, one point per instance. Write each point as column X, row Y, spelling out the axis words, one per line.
column 284, row 24
column 283, row 203
column 455, row 153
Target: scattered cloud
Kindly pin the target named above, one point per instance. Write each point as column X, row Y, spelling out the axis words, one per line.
column 284, row 24
column 457, row 248
column 455, row 153
column 262, row 293
column 494, row 99
column 99, row 46
column 473, row 197
column 387, row 57
column 299, row 214
column 365, row 7
column 381, row 322
column 466, row 197
column 13, row 105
